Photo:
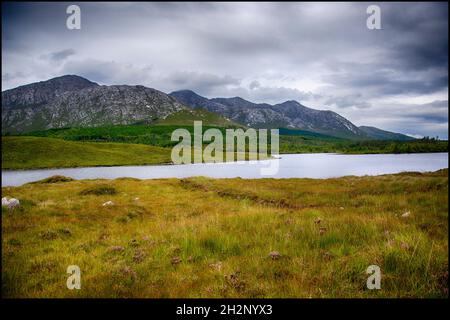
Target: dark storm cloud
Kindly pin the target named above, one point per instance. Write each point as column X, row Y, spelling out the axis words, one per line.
column 423, row 27
column 391, row 82
column 321, row 54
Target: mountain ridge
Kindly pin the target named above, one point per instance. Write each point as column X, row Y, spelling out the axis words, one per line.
column 71, row 100
column 89, row 105
column 288, row 114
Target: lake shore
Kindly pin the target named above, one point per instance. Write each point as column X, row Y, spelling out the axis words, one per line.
column 319, row 166
column 30, row 152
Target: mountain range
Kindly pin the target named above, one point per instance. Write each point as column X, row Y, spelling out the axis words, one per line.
column 73, row 101
column 289, row 114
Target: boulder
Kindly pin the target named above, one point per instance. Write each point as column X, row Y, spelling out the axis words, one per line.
column 5, row 201
column 10, row 203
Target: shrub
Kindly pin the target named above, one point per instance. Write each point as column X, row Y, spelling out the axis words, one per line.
column 99, row 190
column 54, row 179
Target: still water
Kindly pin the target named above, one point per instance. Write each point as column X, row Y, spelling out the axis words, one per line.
column 317, row 165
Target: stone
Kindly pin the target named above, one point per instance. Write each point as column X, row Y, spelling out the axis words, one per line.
column 275, row 255
column 176, row 260
column 5, row 201
column 406, row 214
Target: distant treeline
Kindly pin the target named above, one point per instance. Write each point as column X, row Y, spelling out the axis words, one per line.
column 290, row 144
column 160, row 135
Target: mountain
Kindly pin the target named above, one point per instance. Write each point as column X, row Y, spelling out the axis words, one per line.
column 74, row 101
column 289, row 114
column 40, row 93
column 378, row 134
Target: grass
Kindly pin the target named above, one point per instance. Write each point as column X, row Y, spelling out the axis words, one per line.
column 36, row 152
column 188, row 116
column 202, row 237
column 40, row 152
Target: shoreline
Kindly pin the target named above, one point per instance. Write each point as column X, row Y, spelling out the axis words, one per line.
column 172, row 164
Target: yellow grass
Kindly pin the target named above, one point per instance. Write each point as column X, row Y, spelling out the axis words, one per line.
column 203, row 237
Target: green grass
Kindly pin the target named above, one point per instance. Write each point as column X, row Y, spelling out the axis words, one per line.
column 36, row 152
column 188, row 116
column 202, row 237
column 156, row 135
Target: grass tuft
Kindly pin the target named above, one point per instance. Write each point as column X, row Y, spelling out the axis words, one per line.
column 54, row 179
column 99, row 190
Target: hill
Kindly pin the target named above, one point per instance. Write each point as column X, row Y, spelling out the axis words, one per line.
column 38, row 152
column 188, row 116
column 379, row 134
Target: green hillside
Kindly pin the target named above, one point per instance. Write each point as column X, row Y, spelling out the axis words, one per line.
column 188, row 116
column 36, row 152
column 379, row 134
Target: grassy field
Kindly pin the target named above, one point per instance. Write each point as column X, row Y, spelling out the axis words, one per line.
column 39, row 153
column 202, row 237
column 36, row 152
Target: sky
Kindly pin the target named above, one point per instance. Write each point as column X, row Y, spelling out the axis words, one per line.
column 320, row 54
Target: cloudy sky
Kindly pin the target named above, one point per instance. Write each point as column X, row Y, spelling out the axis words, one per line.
column 320, row 54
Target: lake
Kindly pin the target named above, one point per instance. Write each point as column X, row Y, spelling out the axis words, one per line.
column 317, row 165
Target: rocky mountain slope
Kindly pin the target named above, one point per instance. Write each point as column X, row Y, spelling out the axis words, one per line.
column 75, row 101
column 72, row 101
column 289, row 114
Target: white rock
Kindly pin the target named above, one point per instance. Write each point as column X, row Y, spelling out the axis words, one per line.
column 13, row 203
column 406, row 214
column 5, row 201
column 136, row 199
column 108, row 203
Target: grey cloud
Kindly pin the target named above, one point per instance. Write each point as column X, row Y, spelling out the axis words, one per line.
column 321, row 54
column 109, row 72
column 254, row 84
column 389, row 81
column 427, row 119
column 265, row 94
column 201, row 82
column 353, row 100
column 61, row 55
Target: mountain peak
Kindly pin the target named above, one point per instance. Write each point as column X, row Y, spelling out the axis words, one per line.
column 71, row 100
column 71, row 81
column 39, row 93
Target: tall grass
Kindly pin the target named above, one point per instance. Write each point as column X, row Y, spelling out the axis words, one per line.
column 202, row 237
